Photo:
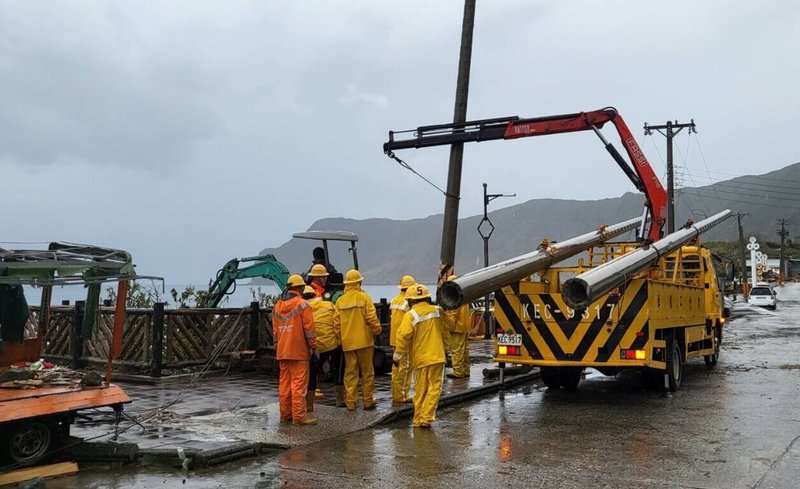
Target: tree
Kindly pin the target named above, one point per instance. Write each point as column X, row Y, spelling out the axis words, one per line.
column 264, row 300
column 137, row 296
column 191, row 296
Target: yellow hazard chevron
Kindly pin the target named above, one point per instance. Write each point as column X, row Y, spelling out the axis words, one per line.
column 552, row 331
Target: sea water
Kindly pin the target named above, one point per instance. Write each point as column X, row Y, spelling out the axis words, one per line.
column 241, row 296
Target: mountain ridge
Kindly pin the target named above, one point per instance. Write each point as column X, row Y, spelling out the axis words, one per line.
column 390, row 248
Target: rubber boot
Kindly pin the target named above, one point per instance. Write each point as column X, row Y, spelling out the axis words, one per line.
column 310, row 401
column 307, row 421
column 340, row 396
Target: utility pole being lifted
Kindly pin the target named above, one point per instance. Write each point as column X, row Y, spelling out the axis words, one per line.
column 450, row 224
column 782, row 233
column 672, row 129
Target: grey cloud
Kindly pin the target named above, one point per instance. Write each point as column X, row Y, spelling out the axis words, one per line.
column 97, row 98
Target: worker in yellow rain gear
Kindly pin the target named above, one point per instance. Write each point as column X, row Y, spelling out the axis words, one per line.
column 296, row 342
column 424, row 335
column 401, row 374
column 329, row 345
column 318, row 278
column 359, row 323
column 458, row 339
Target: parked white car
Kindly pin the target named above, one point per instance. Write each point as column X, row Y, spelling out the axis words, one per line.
column 763, row 295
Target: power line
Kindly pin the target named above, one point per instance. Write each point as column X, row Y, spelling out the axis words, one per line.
column 769, row 185
column 779, row 206
column 760, row 177
column 752, row 189
column 707, row 189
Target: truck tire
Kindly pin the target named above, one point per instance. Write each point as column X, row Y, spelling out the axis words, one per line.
column 711, row 360
column 550, row 377
column 570, row 377
column 27, row 442
column 675, row 364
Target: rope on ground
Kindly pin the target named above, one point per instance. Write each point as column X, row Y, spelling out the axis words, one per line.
column 215, row 354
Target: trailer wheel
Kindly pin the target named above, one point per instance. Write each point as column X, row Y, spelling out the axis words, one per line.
column 675, row 364
column 711, row 360
column 550, row 377
column 570, row 377
column 27, row 442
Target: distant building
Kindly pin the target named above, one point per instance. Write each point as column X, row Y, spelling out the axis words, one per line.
column 774, row 264
column 793, row 266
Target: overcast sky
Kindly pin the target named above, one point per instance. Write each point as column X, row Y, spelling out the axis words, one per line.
column 192, row 132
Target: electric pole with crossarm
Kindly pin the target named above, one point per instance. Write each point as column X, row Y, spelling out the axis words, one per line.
column 672, row 128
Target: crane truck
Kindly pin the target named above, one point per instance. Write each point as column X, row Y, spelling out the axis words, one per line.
column 649, row 304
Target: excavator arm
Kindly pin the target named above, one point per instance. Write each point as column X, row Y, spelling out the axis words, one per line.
column 641, row 173
column 266, row 266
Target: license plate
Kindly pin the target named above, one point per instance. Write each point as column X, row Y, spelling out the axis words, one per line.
column 509, row 339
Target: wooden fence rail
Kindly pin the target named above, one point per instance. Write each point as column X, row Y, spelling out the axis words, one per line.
column 156, row 338
column 159, row 338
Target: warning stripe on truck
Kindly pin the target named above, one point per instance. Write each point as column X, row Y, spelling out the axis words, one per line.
column 561, row 334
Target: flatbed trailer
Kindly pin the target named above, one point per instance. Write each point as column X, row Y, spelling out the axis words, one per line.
column 25, row 404
column 33, row 421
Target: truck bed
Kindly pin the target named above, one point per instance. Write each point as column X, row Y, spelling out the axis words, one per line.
column 17, row 404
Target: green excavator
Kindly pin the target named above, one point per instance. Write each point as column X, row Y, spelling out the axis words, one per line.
column 267, row 266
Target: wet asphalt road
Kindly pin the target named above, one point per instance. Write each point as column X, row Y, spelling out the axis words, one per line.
column 733, row 427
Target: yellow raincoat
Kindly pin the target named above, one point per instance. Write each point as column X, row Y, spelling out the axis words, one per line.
column 401, row 373
column 359, row 323
column 358, row 318
column 424, row 334
column 458, row 340
column 399, row 307
column 326, row 320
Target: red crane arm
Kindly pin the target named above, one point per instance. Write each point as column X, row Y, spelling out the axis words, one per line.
column 642, row 174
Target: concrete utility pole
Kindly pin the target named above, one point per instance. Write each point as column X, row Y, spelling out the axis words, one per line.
column 782, row 233
column 450, row 225
column 672, row 128
column 742, row 255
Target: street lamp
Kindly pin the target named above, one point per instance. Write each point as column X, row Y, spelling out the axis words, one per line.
column 485, row 229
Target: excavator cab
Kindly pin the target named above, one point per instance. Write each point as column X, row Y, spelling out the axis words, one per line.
column 382, row 357
column 335, row 282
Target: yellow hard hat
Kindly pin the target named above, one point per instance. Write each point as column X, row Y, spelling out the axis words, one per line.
column 353, row 276
column 452, row 277
column 309, row 290
column 417, row 291
column 295, row 281
column 407, row 281
column 318, row 270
